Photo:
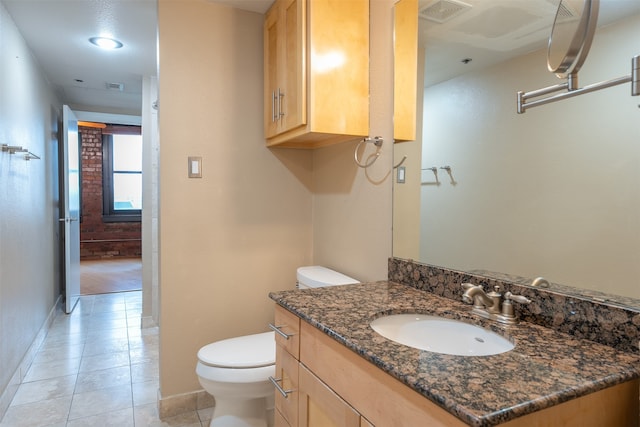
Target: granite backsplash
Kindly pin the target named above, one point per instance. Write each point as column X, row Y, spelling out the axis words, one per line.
column 607, row 319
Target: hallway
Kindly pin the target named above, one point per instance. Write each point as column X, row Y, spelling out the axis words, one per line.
column 96, row 367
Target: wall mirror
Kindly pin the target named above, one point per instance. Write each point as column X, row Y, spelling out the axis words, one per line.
column 570, row 36
column 554, row 192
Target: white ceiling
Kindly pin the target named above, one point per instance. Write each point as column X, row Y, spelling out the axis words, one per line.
column 58, row 32
column 492, row 31
column 260, row 6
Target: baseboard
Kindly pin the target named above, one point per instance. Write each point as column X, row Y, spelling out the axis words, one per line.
column 178, row 404
column 147, row 322
column 10, row 390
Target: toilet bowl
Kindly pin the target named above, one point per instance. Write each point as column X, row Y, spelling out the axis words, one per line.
column 236, row 371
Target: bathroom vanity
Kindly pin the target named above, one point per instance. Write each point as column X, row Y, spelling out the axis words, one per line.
column 335, row 370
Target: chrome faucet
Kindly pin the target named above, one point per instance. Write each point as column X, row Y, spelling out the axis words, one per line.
column 492, row 305
column 474, row 294
column 540, row 282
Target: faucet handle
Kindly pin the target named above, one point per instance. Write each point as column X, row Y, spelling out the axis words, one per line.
column 470, row 285
column 517, row 298
column 507, row 307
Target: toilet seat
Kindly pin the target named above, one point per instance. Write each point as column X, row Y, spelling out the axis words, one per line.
column 236, row 376
column 316, row 276
column 245, row 352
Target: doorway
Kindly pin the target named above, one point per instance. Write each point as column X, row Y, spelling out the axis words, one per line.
column 111, row 227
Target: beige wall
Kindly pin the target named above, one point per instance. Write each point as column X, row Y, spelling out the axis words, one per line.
column 257, row 214
column 351, row 205
column 29, row 275
column 241, row 230
column 553, row 192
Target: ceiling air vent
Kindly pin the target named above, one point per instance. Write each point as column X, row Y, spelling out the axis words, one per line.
column 441, row 11
column 566, row 13
column 115, row 86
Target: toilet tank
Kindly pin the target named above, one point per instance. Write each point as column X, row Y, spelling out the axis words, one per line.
column 316, row 276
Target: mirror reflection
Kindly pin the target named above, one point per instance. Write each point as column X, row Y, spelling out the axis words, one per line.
column 571, row 35
column 554, row 192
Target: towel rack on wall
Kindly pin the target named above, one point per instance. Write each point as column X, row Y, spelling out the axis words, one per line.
column 434, row 169
column 377, row 141
column 13, row 149
column 435, row 174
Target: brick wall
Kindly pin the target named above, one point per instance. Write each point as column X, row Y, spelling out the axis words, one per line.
column 100, row 239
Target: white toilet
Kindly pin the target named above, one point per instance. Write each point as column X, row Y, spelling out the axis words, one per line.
column 236, row 371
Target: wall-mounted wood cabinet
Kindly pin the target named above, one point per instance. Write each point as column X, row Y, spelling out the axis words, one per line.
column 405, row 69
column 316, row 72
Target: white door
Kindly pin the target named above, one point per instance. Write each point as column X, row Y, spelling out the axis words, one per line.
column 70, row 171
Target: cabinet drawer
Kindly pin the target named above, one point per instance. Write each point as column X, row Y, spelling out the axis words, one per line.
column 287, row 376
column 288, row 333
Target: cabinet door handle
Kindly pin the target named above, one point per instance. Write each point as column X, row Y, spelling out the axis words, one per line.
column 280, row 96
column 280, row 332
column 274, row 116
column 282, row 391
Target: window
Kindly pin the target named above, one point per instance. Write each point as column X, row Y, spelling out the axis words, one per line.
column 122, row 177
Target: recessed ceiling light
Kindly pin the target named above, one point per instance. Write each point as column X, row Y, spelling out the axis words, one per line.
column 106, row 43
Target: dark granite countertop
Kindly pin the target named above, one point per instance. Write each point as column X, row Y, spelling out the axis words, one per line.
column 544, row 369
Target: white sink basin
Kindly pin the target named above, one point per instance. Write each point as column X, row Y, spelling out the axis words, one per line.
column 440, row 335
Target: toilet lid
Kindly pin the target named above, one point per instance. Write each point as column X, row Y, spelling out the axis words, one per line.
column 249, row 351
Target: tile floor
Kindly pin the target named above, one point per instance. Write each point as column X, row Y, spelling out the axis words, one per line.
column 96, row 367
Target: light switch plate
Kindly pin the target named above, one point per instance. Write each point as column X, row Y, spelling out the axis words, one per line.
column 195, row 167
column 401, row 175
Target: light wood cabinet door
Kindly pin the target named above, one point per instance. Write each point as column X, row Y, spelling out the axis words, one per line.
column 316, row 65
column 287, row 377
column 405, row 69
column 319, row 406
column 279, row 420
column 293, row 99
column 365, row 423
column 272, row 68
column 284, row 67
